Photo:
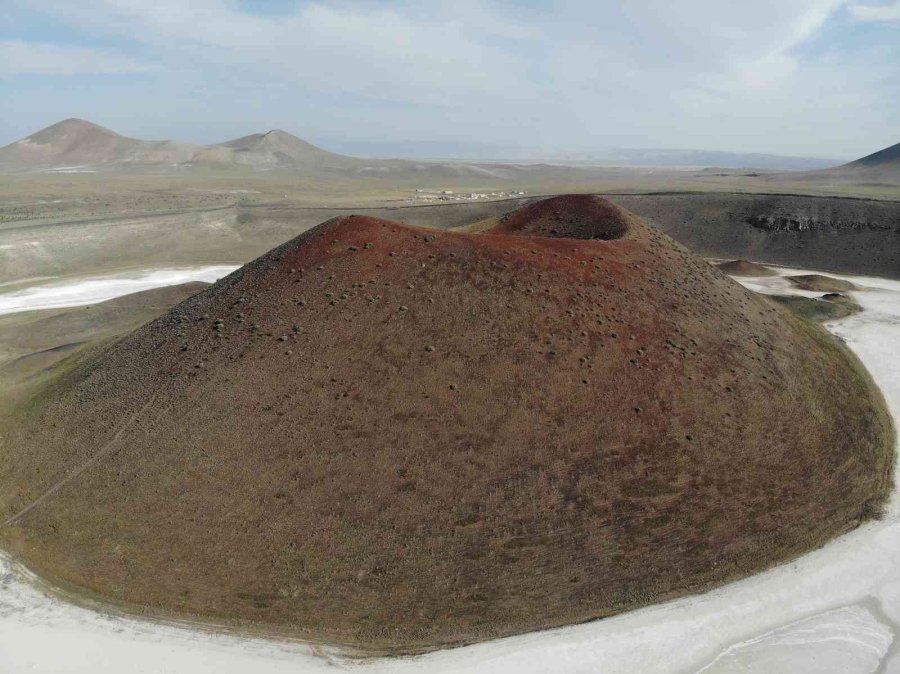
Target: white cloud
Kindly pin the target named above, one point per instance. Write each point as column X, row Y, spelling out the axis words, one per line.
column 423, row 55
column 752, row 41
column 35, row 58
column 879, row 13
column 642, row 72
column 438, row 51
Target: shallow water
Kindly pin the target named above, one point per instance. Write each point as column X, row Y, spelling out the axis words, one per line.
column 834, row 610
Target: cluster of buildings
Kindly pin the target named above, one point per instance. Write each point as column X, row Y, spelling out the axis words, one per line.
column 450, row 195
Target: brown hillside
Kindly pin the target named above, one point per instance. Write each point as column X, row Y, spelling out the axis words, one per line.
column 273, row 148
column 403, row 438
column 79, row 142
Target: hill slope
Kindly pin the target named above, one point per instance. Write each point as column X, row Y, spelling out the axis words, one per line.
column 78, row 142
column 274, row 148
column 878, row 168
column 403, row 438
column 887, row 157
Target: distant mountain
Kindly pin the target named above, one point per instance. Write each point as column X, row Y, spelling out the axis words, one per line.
column 77, row 144
column 74, row 142
column 596, row 157
column 273, row 148
column 708, row 159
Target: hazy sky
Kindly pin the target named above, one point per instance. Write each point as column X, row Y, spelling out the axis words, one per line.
column 814, row 77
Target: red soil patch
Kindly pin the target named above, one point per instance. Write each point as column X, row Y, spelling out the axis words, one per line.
column 404, row 438
column 575, row 216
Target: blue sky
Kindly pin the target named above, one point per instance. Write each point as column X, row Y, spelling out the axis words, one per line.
column 812, row 77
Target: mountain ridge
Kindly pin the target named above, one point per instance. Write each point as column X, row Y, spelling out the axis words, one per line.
column 279, row 148
column 81, row 142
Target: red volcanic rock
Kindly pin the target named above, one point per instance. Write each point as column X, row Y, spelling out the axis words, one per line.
column 576, row 216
